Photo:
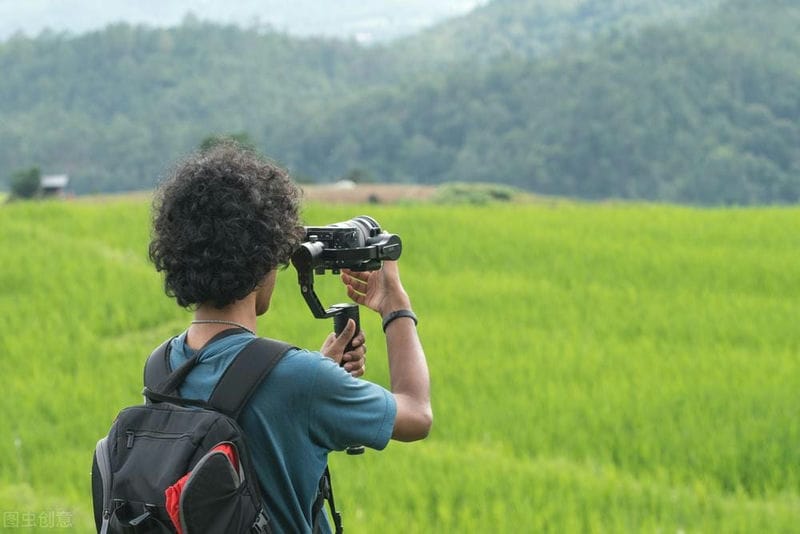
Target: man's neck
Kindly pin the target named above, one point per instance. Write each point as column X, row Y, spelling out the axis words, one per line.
column 241, row 313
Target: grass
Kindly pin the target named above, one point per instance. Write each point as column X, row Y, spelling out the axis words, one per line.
column 618, row 368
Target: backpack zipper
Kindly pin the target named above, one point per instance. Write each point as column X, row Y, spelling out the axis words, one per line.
column 151, row 434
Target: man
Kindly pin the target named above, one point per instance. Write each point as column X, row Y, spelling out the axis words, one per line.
column 223, row 222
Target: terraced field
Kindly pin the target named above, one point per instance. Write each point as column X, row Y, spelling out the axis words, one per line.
column 596, row 368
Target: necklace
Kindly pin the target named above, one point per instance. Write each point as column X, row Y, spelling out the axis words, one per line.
column 220, row 321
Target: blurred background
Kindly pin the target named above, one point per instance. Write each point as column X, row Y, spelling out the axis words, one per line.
column 598, row 206
column 665, row 100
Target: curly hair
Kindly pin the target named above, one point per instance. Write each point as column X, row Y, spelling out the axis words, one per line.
column 222, row 220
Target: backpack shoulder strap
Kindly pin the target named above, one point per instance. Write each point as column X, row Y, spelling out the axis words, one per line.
column 158, row 373
column 157, row 368
column 243, row 376
column 325, row 493
column 160, row 380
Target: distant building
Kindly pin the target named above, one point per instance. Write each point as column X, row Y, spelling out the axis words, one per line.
column 54, row 185
column 344, row 184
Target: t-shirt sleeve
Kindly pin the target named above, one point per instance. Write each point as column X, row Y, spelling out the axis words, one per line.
column 347, row 411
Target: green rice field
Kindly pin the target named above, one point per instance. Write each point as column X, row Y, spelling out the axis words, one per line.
column 595, row 367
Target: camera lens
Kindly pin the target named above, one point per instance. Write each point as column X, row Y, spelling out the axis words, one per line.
column 365, row 229
column 368, row 227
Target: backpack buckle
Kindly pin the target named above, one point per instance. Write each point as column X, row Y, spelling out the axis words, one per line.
column 261, row 526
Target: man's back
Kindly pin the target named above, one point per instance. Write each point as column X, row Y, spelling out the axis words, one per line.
column 305, row 408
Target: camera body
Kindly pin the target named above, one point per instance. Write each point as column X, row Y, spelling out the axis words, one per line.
column 358, row 244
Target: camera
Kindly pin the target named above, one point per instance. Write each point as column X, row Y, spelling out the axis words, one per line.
column 358, row 244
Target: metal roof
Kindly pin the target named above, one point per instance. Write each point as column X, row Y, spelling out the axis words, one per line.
column 54, row 181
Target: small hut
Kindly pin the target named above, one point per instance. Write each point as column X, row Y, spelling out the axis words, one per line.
column 54, row 185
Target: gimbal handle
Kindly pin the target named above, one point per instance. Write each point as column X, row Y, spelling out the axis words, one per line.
column 343, row 313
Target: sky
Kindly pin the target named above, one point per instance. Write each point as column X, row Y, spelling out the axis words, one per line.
column 364, row 20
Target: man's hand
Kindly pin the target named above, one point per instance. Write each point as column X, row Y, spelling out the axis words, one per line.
column 353, row 361
column 378, row 290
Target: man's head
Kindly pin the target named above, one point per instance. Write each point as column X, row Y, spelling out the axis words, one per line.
column 222, row 221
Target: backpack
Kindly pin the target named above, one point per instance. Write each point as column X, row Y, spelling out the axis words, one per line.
column 182, row 465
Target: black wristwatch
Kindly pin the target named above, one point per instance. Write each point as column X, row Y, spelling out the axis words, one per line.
column 396, row 315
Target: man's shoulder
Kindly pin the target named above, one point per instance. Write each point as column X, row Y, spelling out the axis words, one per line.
column 303, row 361
column 309, row 373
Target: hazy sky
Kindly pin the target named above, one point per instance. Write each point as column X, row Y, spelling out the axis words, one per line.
column 363, row 19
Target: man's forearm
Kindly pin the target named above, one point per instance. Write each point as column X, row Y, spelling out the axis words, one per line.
column 410, row 381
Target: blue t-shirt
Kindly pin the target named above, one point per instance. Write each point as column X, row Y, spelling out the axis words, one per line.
column 306, row 407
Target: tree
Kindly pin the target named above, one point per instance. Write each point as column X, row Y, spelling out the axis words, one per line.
column 242, row 139
column 25, row 183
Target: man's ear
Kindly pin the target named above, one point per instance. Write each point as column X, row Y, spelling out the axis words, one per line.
column 264, row 292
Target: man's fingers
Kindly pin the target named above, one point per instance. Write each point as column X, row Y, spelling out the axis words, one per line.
column 355, row 355
column 355, row 279
column 347, row 334
column 358, row 341
column 359, row 372
column 328, row 343
column 352, row 359
column 355, row 364
column 357, row 297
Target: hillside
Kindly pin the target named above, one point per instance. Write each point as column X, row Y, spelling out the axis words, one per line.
column 666, row 100
column 532, row 29
column 378, row 20
column 595, row 368
column 112, row 108
column 701, row 113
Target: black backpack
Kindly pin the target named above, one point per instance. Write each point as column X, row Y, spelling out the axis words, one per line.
column 185, row 461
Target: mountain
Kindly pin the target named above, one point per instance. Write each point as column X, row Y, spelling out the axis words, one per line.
column 662, row 100
column 376, row 20
column 531, row 29
column 701, row 112
column 112, row 108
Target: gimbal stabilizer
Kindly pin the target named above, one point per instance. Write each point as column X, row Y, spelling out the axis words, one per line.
column 358, row 245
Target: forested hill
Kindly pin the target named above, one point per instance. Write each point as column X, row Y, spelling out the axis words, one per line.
column 665, row 100
column 113, row 107
column 706, row 112
column 531, row 29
